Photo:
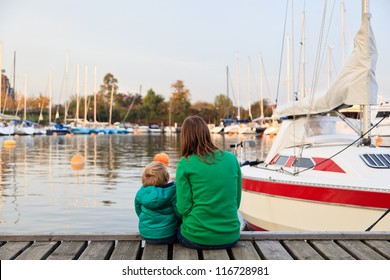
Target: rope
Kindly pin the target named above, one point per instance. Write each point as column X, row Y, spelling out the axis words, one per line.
column 377, row 221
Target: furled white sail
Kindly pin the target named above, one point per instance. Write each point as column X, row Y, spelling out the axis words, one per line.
column 355, row 85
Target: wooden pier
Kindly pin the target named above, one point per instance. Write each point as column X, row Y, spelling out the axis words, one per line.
column 252, row 246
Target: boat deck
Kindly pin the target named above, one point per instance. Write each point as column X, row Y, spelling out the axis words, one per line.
column 252, row 246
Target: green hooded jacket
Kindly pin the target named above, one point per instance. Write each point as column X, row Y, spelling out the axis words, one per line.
column 156, row 210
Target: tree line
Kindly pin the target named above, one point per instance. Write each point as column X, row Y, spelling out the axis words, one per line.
column 134, row 108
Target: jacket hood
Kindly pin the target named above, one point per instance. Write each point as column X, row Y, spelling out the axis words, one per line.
column 155, row 197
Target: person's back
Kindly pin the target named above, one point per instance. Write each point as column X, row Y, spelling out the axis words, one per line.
column 208, row 190
column 155, row 205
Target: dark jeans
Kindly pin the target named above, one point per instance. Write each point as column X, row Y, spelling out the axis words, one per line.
column 192, row 245
column 168, row 240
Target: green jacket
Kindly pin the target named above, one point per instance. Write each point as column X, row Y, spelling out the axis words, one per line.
column 208, row 198
column 156, row 210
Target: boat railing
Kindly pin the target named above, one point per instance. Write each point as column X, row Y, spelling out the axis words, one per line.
column 245, row 152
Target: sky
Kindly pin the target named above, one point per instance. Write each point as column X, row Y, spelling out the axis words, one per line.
column 150, row 44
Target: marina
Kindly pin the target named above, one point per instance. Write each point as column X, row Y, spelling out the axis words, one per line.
column 41, row 192
column 252, row 246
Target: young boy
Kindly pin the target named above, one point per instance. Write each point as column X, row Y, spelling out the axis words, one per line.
column 155, row 205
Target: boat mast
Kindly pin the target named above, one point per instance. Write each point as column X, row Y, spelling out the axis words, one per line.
column 261, row 88
column 66, row 87
column 303, row 54
column 366, row 107
column 227, row 91
column 342, row 31
column 25, row 97
column 238, row 88
column 85, row 94
column 329, row 55
column 249, row 89
column 50, row 93
column 77, row 92
column 94, row 95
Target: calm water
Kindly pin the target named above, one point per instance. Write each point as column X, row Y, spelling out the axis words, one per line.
column 40, row 192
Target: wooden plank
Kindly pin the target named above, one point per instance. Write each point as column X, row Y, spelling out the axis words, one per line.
column 68, row 250
column 272, row 250
column 70, row 237
column 38, row 251
column 359, row 250
column 215, row 255
column 382, row 247
column 245, row 235
column 330, row 250
column 272, row 235
column 244, row 250
column 301, row 250
column 155, row 252
column 98, row 250
column 183, row 253
column 11, row 250
column 126, row 250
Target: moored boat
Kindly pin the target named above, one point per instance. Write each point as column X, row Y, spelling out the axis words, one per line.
column 322, row 173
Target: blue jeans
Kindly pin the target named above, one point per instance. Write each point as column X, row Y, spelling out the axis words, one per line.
column 192, row 245
column 168, row 240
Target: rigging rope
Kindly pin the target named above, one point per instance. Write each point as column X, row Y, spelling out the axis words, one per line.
column 377, row 221
column 281, row 55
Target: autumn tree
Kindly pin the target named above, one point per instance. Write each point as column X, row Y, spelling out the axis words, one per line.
column 179, row 101
column 205, row 110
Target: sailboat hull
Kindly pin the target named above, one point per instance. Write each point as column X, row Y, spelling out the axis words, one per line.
column 343, row 194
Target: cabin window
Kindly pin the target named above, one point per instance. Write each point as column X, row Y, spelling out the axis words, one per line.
column 382, row 114
column 303, row 162
column 376, row 160
column 281, row 160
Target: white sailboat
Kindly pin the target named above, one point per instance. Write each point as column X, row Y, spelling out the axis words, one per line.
column 317, row 176
column 24, row 128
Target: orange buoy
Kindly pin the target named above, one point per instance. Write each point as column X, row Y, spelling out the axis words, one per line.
column 378, row 141
column 9, row 143
column 77, row 162
column 54, row 134
column 16, row 136
column 162, row 157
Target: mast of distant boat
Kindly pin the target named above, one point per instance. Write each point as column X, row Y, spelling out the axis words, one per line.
column 85, row 95
column 238, row 89
column 94, row 95
column 77, row 93
column 50, row 93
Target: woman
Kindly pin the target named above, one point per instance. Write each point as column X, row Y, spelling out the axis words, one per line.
column 208, row 190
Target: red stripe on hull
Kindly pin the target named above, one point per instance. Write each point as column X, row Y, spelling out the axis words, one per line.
column 319, row 194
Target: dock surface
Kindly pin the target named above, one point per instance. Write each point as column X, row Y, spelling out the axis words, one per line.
column 252, row 246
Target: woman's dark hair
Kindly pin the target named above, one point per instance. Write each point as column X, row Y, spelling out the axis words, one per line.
column 195, row 139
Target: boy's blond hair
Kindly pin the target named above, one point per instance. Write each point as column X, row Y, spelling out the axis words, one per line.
column 155, row 174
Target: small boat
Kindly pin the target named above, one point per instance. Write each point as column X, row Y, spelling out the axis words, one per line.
column 80, row 130
column 58, row 129
column 155, row 128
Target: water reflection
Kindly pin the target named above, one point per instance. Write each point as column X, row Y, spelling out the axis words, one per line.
column 40, row 192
